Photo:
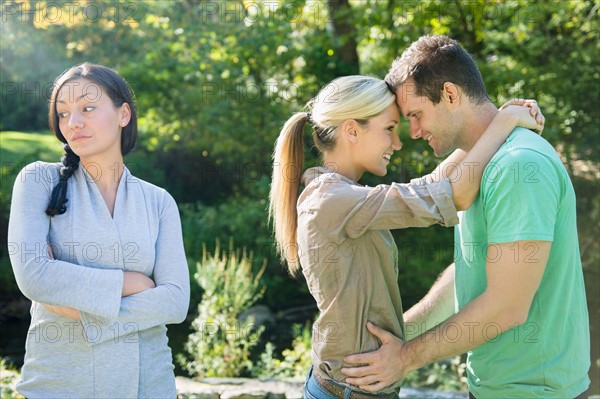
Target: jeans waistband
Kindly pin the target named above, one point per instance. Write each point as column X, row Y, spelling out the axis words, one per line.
column 342, row 391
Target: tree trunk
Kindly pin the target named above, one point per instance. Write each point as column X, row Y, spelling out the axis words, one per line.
column 345, row 36
column 31, row 13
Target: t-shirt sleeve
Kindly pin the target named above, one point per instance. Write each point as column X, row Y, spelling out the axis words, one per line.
column 521, row 194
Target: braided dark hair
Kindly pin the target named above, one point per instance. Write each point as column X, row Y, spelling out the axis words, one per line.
column 119, row 92
column 58, row 199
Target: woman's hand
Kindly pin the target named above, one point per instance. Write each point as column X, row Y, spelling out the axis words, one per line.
column 534, row 111
column 516, row 116
column 135, row 282
column 64, row 311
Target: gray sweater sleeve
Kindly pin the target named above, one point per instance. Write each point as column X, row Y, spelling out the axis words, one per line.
column 167, row 303
column 40, row 277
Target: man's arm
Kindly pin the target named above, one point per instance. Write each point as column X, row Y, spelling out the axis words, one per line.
column 434, row 308
column 514, row 272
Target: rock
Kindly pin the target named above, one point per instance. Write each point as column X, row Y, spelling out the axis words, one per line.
column 422, row 393
column 258, row 315
column 247, row 388
column 225, row 381
column 206, row 395
column 243, row 394
column 188, row 388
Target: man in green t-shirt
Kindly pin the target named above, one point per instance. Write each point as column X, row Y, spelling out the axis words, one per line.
column 515, row 298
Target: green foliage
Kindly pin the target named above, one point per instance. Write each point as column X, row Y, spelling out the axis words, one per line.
column 244, row 218
column 240, row 217
column 422, row 255
column 8, row 380
column 293, row 363
column 587, row 190
column 18, row 149
column 215, row 81
column 448, row 375
column 220, row 345
column 26, row 90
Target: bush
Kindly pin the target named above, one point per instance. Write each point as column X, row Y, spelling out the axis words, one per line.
column 447, row 375
column 18, row 150
column 221, row 344
column 243, row 218
column 8, row 380
column 294, row 363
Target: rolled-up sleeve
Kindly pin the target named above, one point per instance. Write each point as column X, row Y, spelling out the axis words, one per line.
column 349, row 210
column 441, row 193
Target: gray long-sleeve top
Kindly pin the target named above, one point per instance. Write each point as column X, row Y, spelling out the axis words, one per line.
column 119, row 349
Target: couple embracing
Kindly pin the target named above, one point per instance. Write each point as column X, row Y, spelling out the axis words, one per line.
column 517, row 267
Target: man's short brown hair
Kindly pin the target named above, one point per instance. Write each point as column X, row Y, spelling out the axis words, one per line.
column 432, row 61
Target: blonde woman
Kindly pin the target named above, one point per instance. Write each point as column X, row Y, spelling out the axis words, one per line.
column 337, row 231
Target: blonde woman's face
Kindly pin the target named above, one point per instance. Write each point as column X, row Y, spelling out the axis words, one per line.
column 378, row 142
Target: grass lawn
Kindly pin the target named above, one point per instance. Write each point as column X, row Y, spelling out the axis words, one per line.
column 21, row 147
column 18, row 149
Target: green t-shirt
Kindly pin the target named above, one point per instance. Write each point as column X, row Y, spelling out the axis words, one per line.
column 526, row 194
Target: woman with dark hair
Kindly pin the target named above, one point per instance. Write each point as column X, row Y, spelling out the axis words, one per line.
column 98, row 251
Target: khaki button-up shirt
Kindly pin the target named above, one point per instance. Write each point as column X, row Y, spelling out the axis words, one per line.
column 350, row 260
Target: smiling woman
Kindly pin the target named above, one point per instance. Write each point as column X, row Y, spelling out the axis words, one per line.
column 98, row 251
column 337, row 231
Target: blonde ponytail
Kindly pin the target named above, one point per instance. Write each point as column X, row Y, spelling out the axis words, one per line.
column 288, row 165
column 348, row 97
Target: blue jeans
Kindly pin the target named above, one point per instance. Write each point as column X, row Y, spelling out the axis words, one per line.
column 312, row 389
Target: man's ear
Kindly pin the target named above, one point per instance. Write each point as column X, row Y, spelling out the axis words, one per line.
column 349, row 131
column 451, row 94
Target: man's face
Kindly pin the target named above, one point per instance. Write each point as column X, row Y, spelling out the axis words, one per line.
column 432, row 122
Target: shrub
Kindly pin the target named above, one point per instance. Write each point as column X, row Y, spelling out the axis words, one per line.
column 294, row 363
column 8, row 379
column 446, row 375
column 221, row 344
column 244, row 218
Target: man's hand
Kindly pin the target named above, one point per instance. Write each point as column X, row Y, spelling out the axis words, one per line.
column 381, row 368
